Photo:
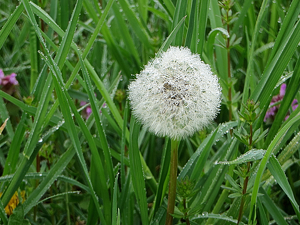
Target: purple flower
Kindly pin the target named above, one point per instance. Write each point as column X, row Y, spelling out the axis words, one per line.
column 8, row 80
column 88, row 110
column 271, row 113
column 8, row 83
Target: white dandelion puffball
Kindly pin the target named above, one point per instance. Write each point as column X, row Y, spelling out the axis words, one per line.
column 176, row 94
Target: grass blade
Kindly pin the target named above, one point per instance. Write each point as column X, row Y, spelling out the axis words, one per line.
column 272, row 208
column 10, row 23
column 180, row 12
column 101, row 133
column 14, row 149
column 280, row 135
column 287, row 100
column 136, row 169
column 171, row 37
column 280, row 177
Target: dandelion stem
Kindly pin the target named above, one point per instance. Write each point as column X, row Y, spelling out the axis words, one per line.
column 172, row 182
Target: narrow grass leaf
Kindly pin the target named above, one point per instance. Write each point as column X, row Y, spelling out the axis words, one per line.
column 163, row 177
column 41, row 176
column 64, row 105
column 249, row 82
column 215, row 216
column 135, row 23
column 280, row 135
column 290, row 149
column 115, row 200
column 221, row 53
column 169, row 6
column 96, row 112
column 14, row 149
column 199, row 164
column 4, row 115
column 273, row 72
column 136, row 169
column 241, row 16
column 109, row 38
column 193, row 26
column 96, row 166
column 262, row 213
column 123, row 143
column 279, row 175
column 250, row 156
column 48, row 180
column 272, row 208
column 212, row 39
column 202, row 22
column 3, row 214
column 222, row 128
column 291, row 91
column 171, row 37
column 180, row 12
column 34, row 68
column 286, row 27
column 123, row 28
column 6, row 29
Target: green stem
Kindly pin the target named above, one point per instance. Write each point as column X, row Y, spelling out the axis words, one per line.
column 172, row 182
column 185, row 214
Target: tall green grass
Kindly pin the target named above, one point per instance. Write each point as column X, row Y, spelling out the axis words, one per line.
column 107, row 169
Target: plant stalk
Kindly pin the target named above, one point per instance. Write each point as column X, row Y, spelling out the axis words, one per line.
column 246, row 179
column 172, row 181
column 185, row 214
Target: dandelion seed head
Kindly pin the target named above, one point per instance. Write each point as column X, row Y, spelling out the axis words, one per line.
column 176, row 94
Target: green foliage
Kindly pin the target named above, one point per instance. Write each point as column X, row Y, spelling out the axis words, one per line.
column 72, row 143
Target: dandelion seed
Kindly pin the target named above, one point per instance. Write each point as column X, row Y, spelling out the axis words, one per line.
column 176, row 94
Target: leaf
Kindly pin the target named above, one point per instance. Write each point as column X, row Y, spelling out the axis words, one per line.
column 250, row 156
column 10, row 23
column 272, row 208
column 18, row 217
column 136, row 170
column 215, row 216
column 221, row 129
column 281, row 179
column 171, row 37
column 276, row 141
column 3, row 126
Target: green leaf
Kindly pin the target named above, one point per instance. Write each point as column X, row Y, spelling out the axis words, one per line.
column 249, row 82
column 95, row 110
column 232, row 182
column 115, row 199
column 281, row 179
column 291, row 91
column 250, row 156
column 276, row 141
column 14, row 149
column 212, row 39
column 18, row 217
column 171, row 37
column 4, row 115
column 215, row 216
column 136, row 173
column 202, row 23
column 135, row 23
column 6, row 29
column 48, row 180
column 180, row 12
column 222, row 128
column 163, row 177
column 272, row 208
